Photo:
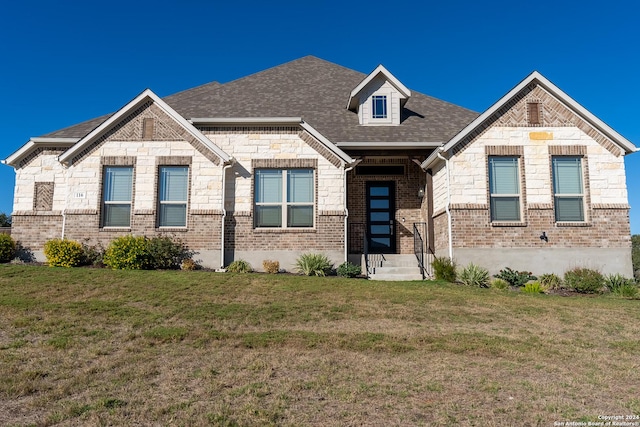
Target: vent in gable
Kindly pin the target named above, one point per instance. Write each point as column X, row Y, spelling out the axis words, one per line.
column 147, row 128
column 534, row 113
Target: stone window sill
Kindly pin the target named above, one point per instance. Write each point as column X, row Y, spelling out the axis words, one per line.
column 508, row 224
column 118, row 229
column 284, row 230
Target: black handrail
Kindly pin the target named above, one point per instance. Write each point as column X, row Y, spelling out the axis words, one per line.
column 365, row 246
column 418, row 246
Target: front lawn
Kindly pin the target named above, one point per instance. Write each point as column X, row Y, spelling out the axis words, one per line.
column 102, row 347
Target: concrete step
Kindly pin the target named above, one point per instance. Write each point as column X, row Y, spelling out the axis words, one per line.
column 394, row 267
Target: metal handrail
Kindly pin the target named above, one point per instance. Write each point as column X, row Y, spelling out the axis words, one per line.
column 365, row 245
column 418, row 247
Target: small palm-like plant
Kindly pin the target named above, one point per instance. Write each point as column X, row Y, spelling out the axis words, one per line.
column 314, row 264
column 474, row 275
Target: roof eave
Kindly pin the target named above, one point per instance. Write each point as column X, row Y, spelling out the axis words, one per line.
column 33, row 144
column 399, row 145
column 245, row 120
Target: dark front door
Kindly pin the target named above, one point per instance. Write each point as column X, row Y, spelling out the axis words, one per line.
column 381, row 209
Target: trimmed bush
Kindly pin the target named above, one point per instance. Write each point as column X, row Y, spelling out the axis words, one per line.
column 515, row 278
column 551, row 281
column 63, row 253
column 584, row 280
column 128, row 253
column 444, row 269
column 314, row 264
column 7, row 248
column 474, row 275
column 271, row 267
column 239, row 266
column 347, row 269
column 167, row 254
column 500, row 284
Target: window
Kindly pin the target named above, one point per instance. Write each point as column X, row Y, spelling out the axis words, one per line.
column 173, row 189
column 568, row 189
column 504, row 188
column 117, row 189
column 379, row 107
column 284, row 198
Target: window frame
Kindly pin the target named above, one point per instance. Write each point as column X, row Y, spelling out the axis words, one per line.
column 107, row 203
column 161, row 202
column 582, row 195
column 284, row 203
column 385, row 106
column 493, row 196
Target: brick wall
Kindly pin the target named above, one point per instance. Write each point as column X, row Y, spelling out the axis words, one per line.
column 328, row 235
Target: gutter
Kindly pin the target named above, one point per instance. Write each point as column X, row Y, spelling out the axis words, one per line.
column 245, row 120
column 231, row 162
column 448, row 206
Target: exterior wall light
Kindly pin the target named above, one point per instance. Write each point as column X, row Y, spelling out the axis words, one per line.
column 421, row 193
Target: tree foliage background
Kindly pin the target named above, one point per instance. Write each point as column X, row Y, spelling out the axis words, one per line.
column 635, row 254
column 5, row 220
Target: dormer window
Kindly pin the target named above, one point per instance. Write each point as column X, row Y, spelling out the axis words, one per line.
column 379, row 99
column 379, row 107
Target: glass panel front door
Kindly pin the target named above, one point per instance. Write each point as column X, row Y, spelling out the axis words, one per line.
column 380, row 214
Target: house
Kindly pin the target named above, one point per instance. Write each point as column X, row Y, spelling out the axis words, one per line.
column 310, row 156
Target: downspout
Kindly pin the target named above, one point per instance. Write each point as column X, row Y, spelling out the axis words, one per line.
column 66, row 200
column 230, row 163
column 346, row 210
column 448, row 206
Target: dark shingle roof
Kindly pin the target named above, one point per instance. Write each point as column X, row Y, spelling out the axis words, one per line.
column 317, row 91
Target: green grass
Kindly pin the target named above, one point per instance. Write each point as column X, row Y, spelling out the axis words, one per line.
column 103, row 347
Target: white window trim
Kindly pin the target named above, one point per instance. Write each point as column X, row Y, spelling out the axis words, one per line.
column 284, row 204
column 389, row 108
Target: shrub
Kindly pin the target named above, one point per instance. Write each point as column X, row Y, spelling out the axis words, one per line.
column 63, row 253
column 621, row 286
column 584, row 280
column 515, row 278
column 533, row 288
column 92, row 254
column 7, row 248
column 551, row 281
column 474, row 275
column 167, row 254
column 313, row 264
column 347, row 269
column 444, row 269
column 271, row 267
column 239, row 266
column 499, row 284
column 188, row 265
column 128, row 253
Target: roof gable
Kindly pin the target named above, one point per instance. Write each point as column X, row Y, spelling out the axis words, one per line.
column 113, row 125
column 354, row 97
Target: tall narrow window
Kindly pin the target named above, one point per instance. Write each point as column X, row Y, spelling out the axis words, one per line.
column 173, row 189
column 284, row 198
column 568, row 189
column 379, row 107
column 117, row 189
column 504, row 188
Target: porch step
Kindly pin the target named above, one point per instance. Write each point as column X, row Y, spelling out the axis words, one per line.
column 394, row 267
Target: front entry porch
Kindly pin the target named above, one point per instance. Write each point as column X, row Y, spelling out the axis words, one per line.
column 388, row 224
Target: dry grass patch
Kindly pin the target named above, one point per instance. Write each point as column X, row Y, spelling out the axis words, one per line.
column 101, row 347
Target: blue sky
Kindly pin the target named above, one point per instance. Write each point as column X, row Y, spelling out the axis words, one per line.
column 69, row 61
